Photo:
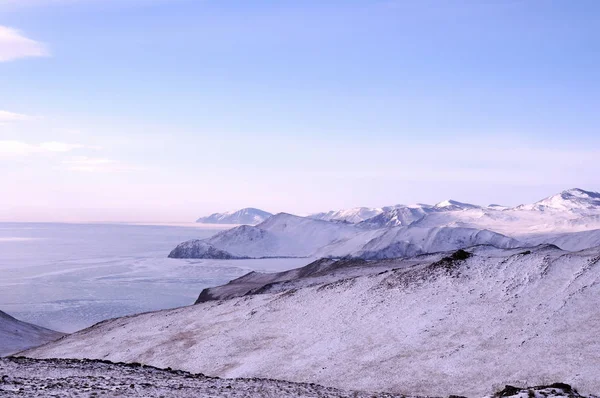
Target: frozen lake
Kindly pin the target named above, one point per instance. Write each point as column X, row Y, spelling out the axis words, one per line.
column 70, row 276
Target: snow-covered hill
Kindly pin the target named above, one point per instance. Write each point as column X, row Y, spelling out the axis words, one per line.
column 574, row 200
column 464, row 325
column 247, row 216
column 412, row 241
column 17, row 335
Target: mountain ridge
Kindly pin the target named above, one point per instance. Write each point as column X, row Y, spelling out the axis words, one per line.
column 245, row 216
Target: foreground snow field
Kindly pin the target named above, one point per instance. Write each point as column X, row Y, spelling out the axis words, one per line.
column 461, row 326
column 72, row 378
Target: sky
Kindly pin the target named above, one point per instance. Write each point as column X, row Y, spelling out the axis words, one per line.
column 167, row 110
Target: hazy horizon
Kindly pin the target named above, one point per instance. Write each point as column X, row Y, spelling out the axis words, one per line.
column 165, row 111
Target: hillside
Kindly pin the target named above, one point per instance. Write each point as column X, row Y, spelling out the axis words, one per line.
column 16, row 335
column 465, row 325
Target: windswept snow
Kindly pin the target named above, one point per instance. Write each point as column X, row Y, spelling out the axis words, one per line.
column 248, row 216
column 460, row 325
column 16, row 335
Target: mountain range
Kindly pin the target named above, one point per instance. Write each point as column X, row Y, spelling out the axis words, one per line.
column 570, row 219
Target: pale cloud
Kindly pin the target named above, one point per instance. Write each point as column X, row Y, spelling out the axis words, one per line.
column 6, row 116
column 19, row 148
column 13, row 45
column 98, row 165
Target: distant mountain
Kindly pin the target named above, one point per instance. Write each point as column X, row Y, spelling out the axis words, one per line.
column 286, row 235
column 247, row 216
column 453, row 205
column 354, row 215
column 570, row 200
column 398, row 216
column 282, row 235
column 570, row 219
column 401, row 215
column 17, row 335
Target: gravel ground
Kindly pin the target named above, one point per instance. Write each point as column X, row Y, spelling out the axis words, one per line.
column 23, row 377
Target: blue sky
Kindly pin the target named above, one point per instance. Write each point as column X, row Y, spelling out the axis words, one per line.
column 150, row 110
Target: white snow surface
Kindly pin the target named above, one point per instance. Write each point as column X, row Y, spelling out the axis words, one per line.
column 503, row 316
column 17, row 336
column 247, row 216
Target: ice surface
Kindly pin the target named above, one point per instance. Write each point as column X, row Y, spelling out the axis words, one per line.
column 69, row 276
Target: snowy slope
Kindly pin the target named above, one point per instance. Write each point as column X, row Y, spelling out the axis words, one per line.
column 454, row 326
column 16, row 335
column 247, row 216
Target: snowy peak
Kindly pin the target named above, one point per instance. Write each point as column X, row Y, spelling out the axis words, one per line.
column 282, row 220
column 451, row 205
column 247, row 216
column 398, row 216
column 575, row 199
